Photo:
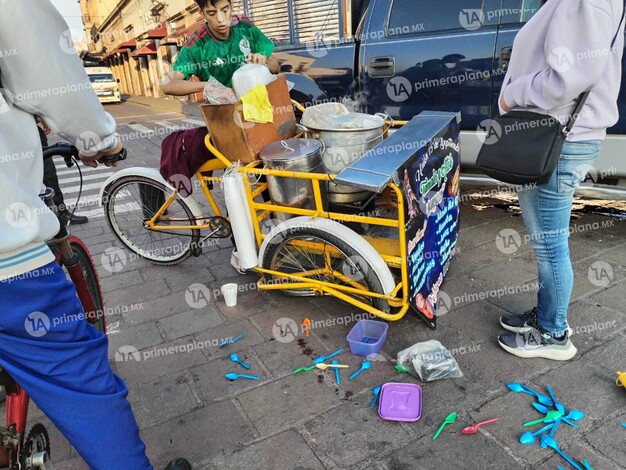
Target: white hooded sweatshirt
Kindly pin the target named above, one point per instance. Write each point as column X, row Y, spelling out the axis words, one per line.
column 40, row 74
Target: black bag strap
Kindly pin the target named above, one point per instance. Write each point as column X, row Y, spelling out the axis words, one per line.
column 582, row 99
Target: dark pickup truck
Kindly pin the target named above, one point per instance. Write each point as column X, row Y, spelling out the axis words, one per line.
column 401, row 57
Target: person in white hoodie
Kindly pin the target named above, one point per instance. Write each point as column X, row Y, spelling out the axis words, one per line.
column 63, row 365
column 568, row 47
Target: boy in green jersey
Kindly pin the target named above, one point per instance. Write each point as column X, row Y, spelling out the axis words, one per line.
column 217, row 49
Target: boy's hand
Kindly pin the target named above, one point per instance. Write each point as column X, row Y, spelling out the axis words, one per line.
column 256, row 59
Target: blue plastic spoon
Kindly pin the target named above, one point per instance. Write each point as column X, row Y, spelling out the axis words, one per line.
column 364, row 366
column 528, row 438
column 575, row 415
column 519, row 388
column 558, row 405
column 547, row 441
column 320, row 359
column 235, row 358
column 375, row 392
column 233, row 376
column 231, row 341
column 337, row 376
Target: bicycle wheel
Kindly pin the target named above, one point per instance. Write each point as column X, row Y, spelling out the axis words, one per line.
column 97, row 318
column 131, row 201
column 316, row 254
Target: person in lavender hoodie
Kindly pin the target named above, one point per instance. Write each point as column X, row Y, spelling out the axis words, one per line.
column 563, row 51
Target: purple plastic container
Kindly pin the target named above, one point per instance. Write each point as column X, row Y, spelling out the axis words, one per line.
column 400, row 402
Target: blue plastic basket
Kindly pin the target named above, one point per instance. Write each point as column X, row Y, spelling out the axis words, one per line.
column 367, row 337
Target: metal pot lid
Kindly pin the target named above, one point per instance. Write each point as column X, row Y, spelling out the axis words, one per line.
column 290, row 148
column 352, row 122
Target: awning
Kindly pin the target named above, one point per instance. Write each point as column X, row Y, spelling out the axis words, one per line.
column 180, row 37
column 126, row 44
column 148, row 49
column 157, row 33
column 117, row 50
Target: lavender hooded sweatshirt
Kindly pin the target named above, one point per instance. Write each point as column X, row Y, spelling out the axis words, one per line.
column 564, row 50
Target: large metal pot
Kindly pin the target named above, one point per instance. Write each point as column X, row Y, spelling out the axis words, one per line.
column 345, row 146
column 302, row 155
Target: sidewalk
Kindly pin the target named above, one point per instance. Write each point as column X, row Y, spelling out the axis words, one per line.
column 173, row 104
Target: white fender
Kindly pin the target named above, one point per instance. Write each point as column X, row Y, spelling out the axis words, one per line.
column 152, row 174
column 362, row 246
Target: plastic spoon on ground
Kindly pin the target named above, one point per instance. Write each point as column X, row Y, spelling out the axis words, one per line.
column 337, row 376
column 375, row 392
column 557, row 405
column 319, row 359
column 474, row 429
column 519, row 388
column 551, row 416
column 450, row 419
column 586, row 464
column 323, row 366
column 233, row 376
column 547, row 441
column 302, row 369
column 364, row 366
column 235, row 358
column 529, row 437
column 231, row 341
column 574, row 415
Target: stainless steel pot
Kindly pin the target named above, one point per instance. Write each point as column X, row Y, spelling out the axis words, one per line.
column 303, row 155
column 345, row 146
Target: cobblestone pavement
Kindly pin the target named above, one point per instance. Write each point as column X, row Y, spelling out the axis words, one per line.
column 164, row 331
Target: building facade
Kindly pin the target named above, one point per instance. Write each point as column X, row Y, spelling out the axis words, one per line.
column 140, row 39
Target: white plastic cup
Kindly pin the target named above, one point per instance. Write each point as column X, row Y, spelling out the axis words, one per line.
column 229, row 291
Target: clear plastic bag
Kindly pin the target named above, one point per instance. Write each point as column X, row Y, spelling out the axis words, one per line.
column 323, row 116
column 429, row 361
column 248, row 76
column 216, row 93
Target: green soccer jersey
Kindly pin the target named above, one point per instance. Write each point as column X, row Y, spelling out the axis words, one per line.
column 205, row 56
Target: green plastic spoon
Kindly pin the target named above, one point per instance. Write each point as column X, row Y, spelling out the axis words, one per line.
column 450, row 419
column 551, row 416
column 302, row 369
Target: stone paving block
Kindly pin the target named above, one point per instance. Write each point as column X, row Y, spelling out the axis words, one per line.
column 492, row 367
column 481, row 256
column 609, row 356
column 583, row 387
column 487, row 231
column 603, row 439
column 120, row 280
column 588, row 235
column 596, row 322
column 145, row 292
column 193, row 321
column 283, row 358
column 139, row 337
column 181, row 281
column 452, row 450
column 75, row 463
column 249, row 302
column 287, row 402
column 229, row 331
column 614, row 297
column 579, row 451
column 509, row 273
column 223, row 271
column 158, row 308
column 213, row 385
column 287, row 450
column 478, row 321
column 352, row 433
column 199, row 435
column 162, row 399
column 360, row 388
column 165, row 359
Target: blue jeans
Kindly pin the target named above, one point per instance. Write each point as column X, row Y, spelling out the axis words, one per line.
column 546, row 210
column 61, row 361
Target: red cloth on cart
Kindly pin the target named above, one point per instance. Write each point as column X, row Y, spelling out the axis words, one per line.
column 182, row 154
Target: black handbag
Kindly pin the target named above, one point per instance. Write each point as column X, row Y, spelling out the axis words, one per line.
column 523, row 147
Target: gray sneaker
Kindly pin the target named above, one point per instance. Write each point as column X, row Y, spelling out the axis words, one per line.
column 538, row 343
column 519, row 323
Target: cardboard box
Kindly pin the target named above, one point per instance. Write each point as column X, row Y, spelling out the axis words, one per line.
column 241, row 140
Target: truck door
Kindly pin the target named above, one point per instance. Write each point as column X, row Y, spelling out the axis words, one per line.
column 419, row 54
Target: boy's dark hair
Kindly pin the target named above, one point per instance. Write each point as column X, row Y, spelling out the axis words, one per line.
column 203, row 3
